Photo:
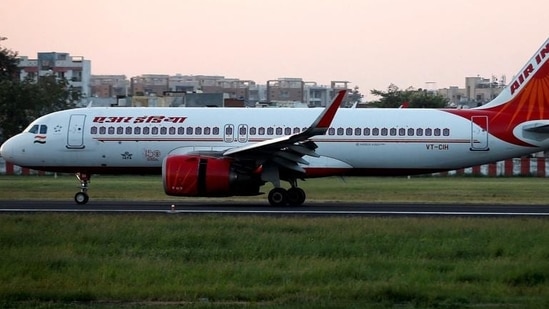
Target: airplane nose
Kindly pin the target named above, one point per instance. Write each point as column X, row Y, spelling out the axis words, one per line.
column 6, row 150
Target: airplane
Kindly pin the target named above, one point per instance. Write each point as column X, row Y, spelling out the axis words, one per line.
column 217, row 152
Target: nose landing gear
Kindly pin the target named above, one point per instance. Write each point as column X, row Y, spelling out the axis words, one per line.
column 82, row 197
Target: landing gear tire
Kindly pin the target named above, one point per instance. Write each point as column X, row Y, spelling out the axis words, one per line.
column 81, row 198
column 278, row 197
column 295, row 196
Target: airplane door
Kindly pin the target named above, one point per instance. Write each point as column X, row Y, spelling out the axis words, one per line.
column 479, row 135
column 228, row 134
column 243, row 133
column 75, row 136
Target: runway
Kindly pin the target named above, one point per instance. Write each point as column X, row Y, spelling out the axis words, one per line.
column 249, row 208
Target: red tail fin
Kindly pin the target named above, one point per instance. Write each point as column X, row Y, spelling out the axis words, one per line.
column 525, row 99
column 527, row 96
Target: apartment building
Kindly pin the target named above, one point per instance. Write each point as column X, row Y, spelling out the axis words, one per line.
column 75, row 69
column 109, row 86
column 477, row 91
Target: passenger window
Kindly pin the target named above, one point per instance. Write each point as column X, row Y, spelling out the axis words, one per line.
column 446, row 132
column 154, row 130
column 349, row 131
column 102, row 130
column 163, row 130
column 111, row 130
column 401, row 132
column 128, row 130
column 331, row 131
column 366, row 131
column 384, row 131
column 419, row 132
column 137, row 130
column 242, row 130
column 393, row 132
column 358, row 131
column 228, row 130
column 146, row 130
column 437, row 132
column 287, row 131
column 339, row 131
column 411, row 132
column 172, row 131
column 180, row 131
column 279, row 131
column 207, row 131
column 253, row 131
column 428, row 132
column 119, row 130
column 215, row 131
column 190, row 131
column 198, row 131
column 375, row 131
column 297, row 130
column 261, row 131
column 270, row 131
column 93, row 130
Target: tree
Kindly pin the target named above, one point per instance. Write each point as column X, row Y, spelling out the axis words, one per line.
column 8, row 63
column 23, row 101
column 420, row 98
column 354, row 96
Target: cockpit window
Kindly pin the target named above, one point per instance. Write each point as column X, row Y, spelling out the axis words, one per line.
column 34, row 129
column 37, row 129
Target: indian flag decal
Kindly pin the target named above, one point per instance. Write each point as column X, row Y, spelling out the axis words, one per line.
column 40, row 139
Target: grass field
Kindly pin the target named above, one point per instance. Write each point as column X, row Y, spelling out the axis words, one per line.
column 164, row 260
column 529, row 190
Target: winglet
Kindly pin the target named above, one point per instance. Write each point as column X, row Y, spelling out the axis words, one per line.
column 323, row 121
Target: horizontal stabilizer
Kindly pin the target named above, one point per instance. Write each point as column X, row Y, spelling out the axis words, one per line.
column 538, row 129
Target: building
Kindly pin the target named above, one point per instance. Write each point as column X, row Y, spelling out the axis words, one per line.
column 149, row 84
column 109, row 86
column 75, row 69
column 477, row 91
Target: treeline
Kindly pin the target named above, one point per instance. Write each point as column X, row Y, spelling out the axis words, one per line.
column 408, row 98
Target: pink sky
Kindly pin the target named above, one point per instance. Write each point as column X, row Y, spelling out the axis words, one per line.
column 371, row 43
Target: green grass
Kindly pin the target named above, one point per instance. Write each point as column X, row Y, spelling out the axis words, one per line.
column 166, row 260
column 529, row 190
column 203, row 261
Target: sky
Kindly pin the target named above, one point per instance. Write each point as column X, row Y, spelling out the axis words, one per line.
column 370, row 43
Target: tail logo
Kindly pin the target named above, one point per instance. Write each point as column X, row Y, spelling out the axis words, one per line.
column 527, row 72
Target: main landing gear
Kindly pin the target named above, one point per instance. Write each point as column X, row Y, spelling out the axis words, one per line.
column 82, row 197
column 281, row 197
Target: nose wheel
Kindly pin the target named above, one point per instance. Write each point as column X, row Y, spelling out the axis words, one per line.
column 82, row 197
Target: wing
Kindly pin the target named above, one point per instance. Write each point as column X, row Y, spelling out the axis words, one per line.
column 288, row 151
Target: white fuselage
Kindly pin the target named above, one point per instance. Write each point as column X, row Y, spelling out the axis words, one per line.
column 359, row 141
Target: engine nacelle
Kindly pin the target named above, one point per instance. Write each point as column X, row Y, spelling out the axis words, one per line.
column 199, row 175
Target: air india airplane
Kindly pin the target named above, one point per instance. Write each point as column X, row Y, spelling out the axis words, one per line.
column 215, row 152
